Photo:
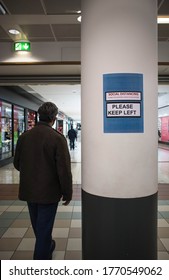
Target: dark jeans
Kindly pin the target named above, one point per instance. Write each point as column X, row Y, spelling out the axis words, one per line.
column 42, row 219
column 72, row 143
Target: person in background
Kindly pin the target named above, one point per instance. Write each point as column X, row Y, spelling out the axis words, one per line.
column 72, row 134
column 43, row 159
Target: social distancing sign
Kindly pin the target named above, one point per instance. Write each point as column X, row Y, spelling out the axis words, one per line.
column 123, row 103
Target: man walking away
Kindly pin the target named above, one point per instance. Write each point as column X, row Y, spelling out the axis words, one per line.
column 43, row 159
column 72, row 134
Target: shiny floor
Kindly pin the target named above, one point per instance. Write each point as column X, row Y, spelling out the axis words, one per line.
column 16, row 235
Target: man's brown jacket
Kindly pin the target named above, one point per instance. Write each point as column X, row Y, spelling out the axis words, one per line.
column 43, row 159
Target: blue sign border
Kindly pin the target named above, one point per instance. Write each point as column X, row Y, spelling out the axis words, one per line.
column 123, row 82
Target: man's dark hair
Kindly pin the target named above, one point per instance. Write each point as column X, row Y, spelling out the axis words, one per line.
column 47, row 112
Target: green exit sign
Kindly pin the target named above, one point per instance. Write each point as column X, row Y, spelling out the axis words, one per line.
column 22, row 46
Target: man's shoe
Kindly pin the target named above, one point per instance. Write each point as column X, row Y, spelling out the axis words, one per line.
column 53, row 245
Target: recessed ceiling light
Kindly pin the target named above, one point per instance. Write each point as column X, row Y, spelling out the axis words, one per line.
column 162, row 20
column 14, row 31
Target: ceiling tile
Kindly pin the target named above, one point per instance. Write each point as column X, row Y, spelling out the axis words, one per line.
column 20, row 7
column 163, row 7
column 62, row 6
column 37, row 31
column 163, row 39
column 163, row 30
column 67, row 32
column 159, row 2
column 4, row 36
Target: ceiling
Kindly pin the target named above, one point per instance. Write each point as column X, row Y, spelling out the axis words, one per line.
column 41, row 20
column 163, row 29
column 49, row 20
column 56, row 21
column 46, row 21
column 65, row 96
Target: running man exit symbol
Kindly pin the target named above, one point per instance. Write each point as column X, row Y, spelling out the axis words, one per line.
column 22, row 46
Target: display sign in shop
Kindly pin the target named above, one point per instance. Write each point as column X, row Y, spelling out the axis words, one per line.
column 123, row 103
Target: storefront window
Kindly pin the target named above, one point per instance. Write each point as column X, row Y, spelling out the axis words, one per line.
column 163, row 130
column 31, row 119
column 19, row 124
column 163, row 117
column 5, row 130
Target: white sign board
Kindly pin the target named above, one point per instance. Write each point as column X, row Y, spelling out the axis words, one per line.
column 123, row 95
column 123, row 109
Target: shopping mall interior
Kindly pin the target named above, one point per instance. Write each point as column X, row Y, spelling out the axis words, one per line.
column 49, row 69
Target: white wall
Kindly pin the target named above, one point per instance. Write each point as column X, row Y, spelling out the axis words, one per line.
column 43, row 51
column 55, row 51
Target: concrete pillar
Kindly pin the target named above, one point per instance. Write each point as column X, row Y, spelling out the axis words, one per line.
column 119, row 152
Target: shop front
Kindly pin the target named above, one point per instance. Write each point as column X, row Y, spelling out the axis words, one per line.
column 5, row 130
column 14, row 120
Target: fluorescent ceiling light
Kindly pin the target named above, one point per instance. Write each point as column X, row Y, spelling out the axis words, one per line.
column 163, row 20
column 14, row 31
column 79, row 18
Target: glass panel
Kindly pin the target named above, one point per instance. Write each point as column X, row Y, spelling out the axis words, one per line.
column 5, row 130
column 19, row 124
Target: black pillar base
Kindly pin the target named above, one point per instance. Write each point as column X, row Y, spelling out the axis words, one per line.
column 119, row 229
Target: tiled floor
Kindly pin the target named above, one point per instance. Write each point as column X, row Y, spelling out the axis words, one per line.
column 16, row 235
column 17, row 238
